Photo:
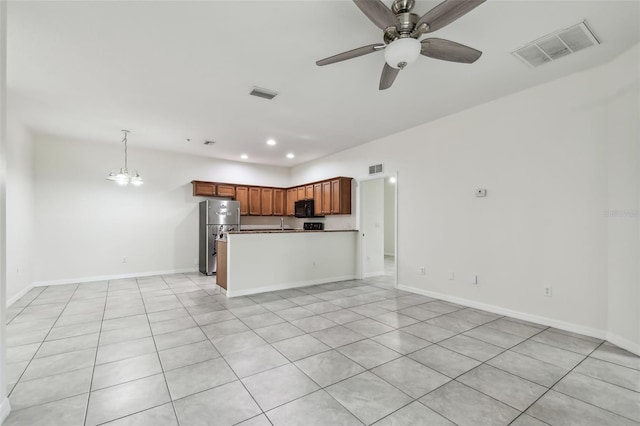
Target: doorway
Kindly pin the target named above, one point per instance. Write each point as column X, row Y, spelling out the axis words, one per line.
column 378, row 230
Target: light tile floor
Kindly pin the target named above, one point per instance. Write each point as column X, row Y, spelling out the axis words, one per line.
column 173, row 350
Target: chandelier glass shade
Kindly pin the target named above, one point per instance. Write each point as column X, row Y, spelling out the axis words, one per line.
column 123, row 176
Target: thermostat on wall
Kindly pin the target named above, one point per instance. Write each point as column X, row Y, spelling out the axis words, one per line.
column 481, row 192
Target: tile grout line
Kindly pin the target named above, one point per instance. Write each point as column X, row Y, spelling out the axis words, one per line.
column 43, row 341
column 157, row 353
column 221, row 356
column 95, row 359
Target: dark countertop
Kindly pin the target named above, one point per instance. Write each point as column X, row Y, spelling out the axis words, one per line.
column 286, row 231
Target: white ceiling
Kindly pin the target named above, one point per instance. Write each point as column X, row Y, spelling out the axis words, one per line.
column 172, row 70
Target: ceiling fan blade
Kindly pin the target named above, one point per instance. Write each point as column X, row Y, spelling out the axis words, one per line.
column 388, row 76
column 377, row 13
column 447, row 12
column 350, row 54
column 447, row 50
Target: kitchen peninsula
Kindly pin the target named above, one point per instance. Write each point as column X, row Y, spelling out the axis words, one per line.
column 267, row 260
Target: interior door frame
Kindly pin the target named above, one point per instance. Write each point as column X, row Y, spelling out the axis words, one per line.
column 359, row 216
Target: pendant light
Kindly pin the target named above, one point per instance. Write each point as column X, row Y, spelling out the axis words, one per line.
column 122, row 176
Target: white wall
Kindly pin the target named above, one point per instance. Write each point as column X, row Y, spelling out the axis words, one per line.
column 541, row 154
column 622, row 211
column 20, row 209
column 86, row 225
column 268, row 262
column 389, row 218
column 5, row 406
column 372, row 227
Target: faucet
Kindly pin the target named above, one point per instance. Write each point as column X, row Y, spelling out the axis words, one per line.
column 282, row 223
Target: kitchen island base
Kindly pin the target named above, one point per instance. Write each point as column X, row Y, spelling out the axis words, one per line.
column 259, row 262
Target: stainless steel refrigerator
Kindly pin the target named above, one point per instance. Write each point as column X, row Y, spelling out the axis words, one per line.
column 217, row 217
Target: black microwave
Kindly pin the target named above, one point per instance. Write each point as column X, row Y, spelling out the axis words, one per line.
column 304, row 208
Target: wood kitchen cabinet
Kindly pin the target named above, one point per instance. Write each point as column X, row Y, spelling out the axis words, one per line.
column 242, row 195
column 341, row 196
column 266, row 201
column 302, row 193
column 331, row 196
column 279, row 199
column 317, row 199
column 326, row 198
column 221, row 266
column 254, row 201
column 292, row 197
column 203, row 189
column 225, row 190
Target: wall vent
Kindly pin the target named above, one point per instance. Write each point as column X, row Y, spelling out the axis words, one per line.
column 557, row 45
column 263, row 93
column 375, row 169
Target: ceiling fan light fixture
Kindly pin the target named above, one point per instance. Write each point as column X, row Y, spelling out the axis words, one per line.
column 402, row 52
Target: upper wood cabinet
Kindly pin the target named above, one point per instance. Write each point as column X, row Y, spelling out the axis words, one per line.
column 302, row 193
column 266, row 201
column 317, row 199
column 204, row 189
column 292, row 197
column 279, row 198
column 254, row 201
column 326, row 198
column 341, row 196
column 331, row 196
column 225, row 190
column 242, row 195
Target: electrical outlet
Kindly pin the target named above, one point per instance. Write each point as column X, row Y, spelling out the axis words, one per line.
column 547, row 291
column 423, row 270
column 474, row 281
column 452, row 276
column 124, row 259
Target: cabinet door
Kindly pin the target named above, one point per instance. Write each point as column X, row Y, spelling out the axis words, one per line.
column 204, row 189
column 242, row 195
column 302, row 194
column 266, row 197
column 326, row 197
column 278, row 202
column 292, row 197
column 341, row 196
column 254, row 201
column 223, row 190
column 317, row 199
column 309, row 192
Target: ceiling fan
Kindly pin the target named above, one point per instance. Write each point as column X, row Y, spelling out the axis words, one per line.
column 402, row 29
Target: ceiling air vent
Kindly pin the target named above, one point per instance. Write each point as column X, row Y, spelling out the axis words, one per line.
column 263, row 93
column 556, row 45
column 375, row 169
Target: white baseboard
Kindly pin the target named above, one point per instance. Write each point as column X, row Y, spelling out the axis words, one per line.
column 373, row 274
column 5, row 409
column 288, row 286
column 624, row 343
column 563, row 325
column 17, row 297
column 113, row 277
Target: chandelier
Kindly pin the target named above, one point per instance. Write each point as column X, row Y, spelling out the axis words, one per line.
column 122, row 176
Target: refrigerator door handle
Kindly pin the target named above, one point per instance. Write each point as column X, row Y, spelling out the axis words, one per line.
column 238, row 218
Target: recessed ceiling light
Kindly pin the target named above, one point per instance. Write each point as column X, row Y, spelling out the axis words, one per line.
column 290, row 155
column 271, row 142
column 244, row 156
